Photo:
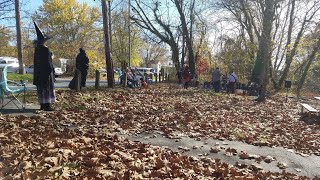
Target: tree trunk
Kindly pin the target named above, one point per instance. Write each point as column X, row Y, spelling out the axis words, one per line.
column 175, row 55
column 185, row 33
column 19, row 41
column 183, row 51
column 288, row 52
column 291, row 53
column 311, row 58
column 110, row 23
column 260, row 71
column 110, row 74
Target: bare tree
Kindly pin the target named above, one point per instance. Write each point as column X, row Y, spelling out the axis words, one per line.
column 147, row 16
column 6, row 7
column 292, row 19
column 187, row 32
column 315, row 37
column 153, row 53
column 291, row 48
column 264, row 50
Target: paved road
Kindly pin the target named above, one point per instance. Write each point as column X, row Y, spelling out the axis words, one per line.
column 297, row 164
column 64, row 82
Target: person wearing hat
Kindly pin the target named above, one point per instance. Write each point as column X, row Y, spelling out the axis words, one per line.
column 43, row 76
column 82, row 64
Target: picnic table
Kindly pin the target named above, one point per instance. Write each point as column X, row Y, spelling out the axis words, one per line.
column 310, row 109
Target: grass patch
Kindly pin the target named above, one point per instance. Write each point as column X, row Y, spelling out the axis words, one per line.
column 18, row 77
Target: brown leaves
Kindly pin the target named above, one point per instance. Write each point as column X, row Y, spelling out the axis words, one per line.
column 80, row 139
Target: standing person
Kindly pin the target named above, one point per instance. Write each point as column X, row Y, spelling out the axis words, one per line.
column 186, row 76
column 216, row 76
column 43, row 76
column 224, row 82
column 179, row 74
column 232, row 82
column 82, row 64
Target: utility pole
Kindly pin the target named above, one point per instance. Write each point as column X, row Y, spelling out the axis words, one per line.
column 110, row 22
column 129, row 29
column 19, row 41
column 125, row 65
column 109, row 63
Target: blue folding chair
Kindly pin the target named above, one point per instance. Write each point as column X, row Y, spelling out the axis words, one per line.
column 8, row 95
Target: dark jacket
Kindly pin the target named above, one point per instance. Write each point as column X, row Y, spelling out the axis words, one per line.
column 43, row 67
column 186, row 74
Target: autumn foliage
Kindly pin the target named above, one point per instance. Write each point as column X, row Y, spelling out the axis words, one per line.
column 202, row 65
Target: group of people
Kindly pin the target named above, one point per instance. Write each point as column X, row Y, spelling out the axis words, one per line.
column 43, row 76
column 184, row 76
column 135, row 79
column 228, row 82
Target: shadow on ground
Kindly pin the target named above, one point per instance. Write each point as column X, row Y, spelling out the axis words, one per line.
column 10, row 109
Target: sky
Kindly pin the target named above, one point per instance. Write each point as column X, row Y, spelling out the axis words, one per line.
column 28, row 7
column 36, row 3
column 33, row 5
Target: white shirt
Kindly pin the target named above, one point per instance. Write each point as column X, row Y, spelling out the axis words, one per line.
column 233, row 77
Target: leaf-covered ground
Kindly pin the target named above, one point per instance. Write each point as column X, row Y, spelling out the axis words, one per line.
column 80, row 138
column 197, row 113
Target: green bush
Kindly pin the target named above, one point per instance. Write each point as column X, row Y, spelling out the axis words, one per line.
column 18, row 77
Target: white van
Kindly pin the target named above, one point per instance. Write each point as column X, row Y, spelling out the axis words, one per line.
column 144, row 70
column 11, row 62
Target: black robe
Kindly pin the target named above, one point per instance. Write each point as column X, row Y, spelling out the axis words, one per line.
column 43, row 67
column 82, row 64
column 43, row 76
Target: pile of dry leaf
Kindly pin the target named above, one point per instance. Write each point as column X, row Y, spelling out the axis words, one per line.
column 80, row 138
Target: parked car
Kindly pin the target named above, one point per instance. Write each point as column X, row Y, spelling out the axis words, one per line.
column 29, row 70
column 57, row 70
column 11, row 63
column 103, row 71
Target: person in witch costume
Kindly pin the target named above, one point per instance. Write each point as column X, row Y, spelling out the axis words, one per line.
column 43, row 76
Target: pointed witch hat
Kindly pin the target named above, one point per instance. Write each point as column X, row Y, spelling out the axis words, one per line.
column 40, row 35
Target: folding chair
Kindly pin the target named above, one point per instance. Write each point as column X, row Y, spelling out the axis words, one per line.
column 11, row 94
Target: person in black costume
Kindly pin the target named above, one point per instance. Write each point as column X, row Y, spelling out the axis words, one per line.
column 43, row 76
column 82, row 64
